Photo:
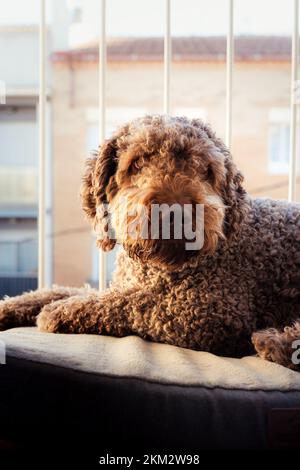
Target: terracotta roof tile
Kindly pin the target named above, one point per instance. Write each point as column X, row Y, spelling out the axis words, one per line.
column 257, row 48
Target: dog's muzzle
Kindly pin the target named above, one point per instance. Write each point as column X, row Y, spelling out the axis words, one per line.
column 169, row 235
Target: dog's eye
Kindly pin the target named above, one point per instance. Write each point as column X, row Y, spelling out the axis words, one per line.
column 135, row 167
column 210, row 174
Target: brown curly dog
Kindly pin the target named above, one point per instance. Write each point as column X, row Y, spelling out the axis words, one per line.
column 242, row 285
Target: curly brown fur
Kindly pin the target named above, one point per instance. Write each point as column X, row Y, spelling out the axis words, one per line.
column 244, row 279
column 22, row 310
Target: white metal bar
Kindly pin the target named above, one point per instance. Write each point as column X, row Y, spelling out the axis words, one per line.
column 42, row 144
column 293, row 119
column 229, row 73
column 102, row 114
column 167, row 57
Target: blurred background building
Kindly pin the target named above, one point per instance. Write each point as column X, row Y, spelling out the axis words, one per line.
column 19, row 149
column 261, row 97
column 18, row 158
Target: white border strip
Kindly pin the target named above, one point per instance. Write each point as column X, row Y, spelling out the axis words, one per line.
column 229, row 73
column 102, row 114
column 42, row 145
column 293, row 119
column 167, row 57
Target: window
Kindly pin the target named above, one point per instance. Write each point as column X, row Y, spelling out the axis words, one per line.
column 279, row 147
column 18, row 258
column 18, row 156
column 18, row 247
column 279, row 141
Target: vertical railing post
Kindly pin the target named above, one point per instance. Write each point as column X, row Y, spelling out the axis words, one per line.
column 167, row 56
column 293, row 118
column 229, row 73
column 42, row 145
column 102, row 116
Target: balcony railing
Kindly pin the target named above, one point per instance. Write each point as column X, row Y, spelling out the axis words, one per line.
column 167, row 77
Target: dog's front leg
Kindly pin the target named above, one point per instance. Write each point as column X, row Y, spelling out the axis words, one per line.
column 22, row 310
column 91, row 313
column 114, row 312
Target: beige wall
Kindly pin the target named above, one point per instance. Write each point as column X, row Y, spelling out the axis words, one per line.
column 257, row 88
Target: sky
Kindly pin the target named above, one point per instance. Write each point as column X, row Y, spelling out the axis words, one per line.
column 146, row 17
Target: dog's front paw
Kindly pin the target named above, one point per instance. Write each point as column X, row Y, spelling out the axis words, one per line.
column 6, row 314
column 22, row 310
column 277, row 346
column 52, row 318
column 14, row 313
column 65, row 316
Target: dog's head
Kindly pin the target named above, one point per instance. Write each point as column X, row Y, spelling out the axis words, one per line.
column 154, row 161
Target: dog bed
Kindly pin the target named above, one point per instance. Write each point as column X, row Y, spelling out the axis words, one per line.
column 129, row 390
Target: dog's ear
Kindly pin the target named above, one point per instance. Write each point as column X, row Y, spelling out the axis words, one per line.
column 98, row 182
column 216, row 171
column 234, row 196
column 230, row 184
